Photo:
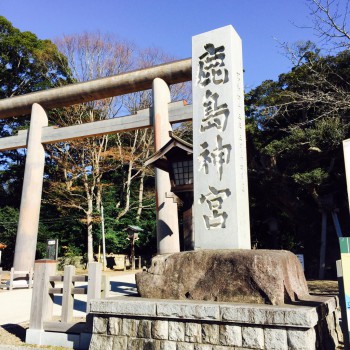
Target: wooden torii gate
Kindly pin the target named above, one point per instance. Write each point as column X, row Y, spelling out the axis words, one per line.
column 40, row 133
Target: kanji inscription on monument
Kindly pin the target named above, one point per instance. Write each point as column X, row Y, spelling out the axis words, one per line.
column 221, row 212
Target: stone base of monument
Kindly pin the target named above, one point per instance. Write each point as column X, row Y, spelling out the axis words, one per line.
column 229, row 299
column 139, row 323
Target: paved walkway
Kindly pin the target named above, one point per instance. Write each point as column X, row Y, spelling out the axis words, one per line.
column 15, row 304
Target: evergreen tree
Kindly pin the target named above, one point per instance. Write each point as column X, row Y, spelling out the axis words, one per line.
column 296, row 126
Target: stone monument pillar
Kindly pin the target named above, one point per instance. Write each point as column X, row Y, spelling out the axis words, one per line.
column 28, row 223
column 221, row 211
column 167, row 217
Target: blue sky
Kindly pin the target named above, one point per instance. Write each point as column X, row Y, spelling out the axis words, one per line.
column 170, row 25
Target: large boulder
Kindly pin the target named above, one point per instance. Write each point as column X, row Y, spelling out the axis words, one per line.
column 247, row 276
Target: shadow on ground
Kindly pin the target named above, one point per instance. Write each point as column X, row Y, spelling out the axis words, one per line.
column 124, row 288
column 79, row 305
column 115, row 287
column 16, row 330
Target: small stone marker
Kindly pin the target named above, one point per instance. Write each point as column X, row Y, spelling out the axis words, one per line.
column 52, row 249
column 221, row 211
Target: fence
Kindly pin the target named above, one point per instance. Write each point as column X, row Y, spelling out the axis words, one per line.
column 45, row 287
column 28, row 276
column 25, row 280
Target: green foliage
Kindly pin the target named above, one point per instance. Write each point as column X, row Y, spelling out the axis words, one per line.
column 8, row 230
column 328, row 133
column 71, row 256
column 27, row 63
column 313, row 177
column 292, row 122
column 117, row 239
column 64, row 226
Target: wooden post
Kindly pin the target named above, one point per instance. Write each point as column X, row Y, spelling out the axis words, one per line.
column 12, row 276
column 42, row 301
column 132, row 253
column 105, row 287
column 104, row 261
column 30, row 278
column 94, row 283
column 68, row 296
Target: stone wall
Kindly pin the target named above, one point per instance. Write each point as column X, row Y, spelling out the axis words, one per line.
column 137, row 323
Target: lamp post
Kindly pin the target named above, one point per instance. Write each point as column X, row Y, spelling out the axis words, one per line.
column 181, row 175
column 176, row 158
column 133, row 236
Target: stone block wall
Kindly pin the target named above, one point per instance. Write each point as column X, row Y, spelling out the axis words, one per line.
column 136, row 323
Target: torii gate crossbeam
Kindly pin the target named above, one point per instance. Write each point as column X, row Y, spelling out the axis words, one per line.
column 121, row 84
column 178, row 112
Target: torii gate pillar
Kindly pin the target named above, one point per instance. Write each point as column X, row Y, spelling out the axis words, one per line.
column 28, row 223
column 167, row 217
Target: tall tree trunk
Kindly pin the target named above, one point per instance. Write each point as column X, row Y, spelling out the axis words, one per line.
column 97, row 170
column 140, row 202
column 128, row 191
column 90, row 248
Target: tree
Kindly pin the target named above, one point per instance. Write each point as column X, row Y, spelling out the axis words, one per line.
column 295, row 130
column 330, row 22
column 27, row 63
column 84, row 171
column 80, row 164
column 140, row 142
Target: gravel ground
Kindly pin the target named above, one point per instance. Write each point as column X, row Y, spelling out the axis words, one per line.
column 12, row 336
